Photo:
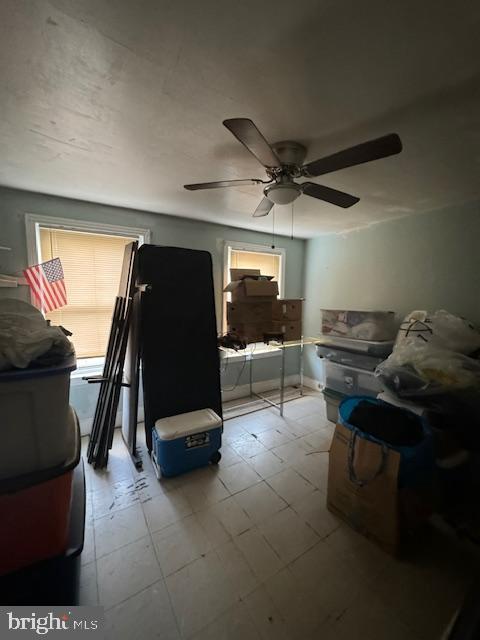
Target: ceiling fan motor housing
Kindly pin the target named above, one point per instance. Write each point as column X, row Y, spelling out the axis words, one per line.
column 290, row 152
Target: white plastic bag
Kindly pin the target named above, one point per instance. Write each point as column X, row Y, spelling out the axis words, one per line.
column 446, row 368
column 26, row 337
column 440, row 329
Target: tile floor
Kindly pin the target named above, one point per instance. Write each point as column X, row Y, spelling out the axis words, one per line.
column 247, row 550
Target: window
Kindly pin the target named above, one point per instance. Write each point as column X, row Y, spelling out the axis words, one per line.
column 271, row 262
column 268, row 263
column 92, row 261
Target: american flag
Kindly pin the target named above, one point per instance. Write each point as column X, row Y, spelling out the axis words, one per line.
column 47, row 284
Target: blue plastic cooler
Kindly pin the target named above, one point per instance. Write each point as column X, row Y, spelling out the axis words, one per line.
column 186, row 441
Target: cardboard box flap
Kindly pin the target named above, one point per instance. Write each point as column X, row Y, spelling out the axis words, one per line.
column 240, row 274
column 232, row 285
column 272, row 290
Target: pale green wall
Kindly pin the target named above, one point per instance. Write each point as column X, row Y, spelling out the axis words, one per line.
column 165, row 230
column 427, row 261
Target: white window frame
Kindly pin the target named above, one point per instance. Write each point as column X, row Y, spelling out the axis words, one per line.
column 34, row 222
column 263, row 350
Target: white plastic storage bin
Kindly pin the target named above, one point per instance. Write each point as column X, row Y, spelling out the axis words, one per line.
column 35, row 417
column 362, row 325
column 332, row 400
column 351, row 381
column 186, row 441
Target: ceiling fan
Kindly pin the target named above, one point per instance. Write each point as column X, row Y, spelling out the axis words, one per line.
column 283, row 164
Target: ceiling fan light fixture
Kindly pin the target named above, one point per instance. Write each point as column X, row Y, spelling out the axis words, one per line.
column 282, row 193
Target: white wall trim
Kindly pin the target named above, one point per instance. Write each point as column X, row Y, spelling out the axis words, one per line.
column 311, row 383
column 34, row 221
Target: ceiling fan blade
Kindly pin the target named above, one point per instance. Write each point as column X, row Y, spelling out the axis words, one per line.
column 382, row 147
column 222, row 183
column 247, row 133
column 263, row 208
column 333, row 196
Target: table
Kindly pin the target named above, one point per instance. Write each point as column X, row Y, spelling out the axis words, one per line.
column 282, row 346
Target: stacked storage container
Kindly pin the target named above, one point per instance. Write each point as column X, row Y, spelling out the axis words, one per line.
column 39, row 460
column 353, row 344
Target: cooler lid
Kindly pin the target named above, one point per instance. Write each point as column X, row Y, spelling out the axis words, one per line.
column 184, row 424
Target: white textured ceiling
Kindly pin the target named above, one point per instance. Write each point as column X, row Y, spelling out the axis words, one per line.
column 121, row 101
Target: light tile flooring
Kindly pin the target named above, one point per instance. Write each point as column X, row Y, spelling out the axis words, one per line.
column 248, row 550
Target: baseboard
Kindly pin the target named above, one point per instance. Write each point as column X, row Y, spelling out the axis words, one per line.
column 311, row 383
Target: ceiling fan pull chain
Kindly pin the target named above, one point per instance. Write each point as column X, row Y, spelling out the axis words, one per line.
column 273, row 227
column 291, row 235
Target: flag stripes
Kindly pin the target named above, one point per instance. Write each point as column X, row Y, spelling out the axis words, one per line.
column 47, row 284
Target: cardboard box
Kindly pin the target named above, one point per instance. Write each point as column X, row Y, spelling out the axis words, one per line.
column 249, row 312
column 373, row 508
column 287, row 309
column 292, row 329
column 250, row 331
column 240, row 274
column 250, row 283
column 258, row 290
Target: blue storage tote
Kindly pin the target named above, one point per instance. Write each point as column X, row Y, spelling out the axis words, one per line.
column 416, row 462
column 186, row 441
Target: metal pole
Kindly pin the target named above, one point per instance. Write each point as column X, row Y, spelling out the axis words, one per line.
column 282, row 381
column 251, row 375
column 301, row 367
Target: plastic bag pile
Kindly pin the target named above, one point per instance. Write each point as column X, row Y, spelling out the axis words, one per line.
column 26, row 338
column 434, row 354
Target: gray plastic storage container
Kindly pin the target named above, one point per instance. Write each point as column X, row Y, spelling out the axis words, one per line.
column 368, row 347
column 350, row 380
column 349, row 358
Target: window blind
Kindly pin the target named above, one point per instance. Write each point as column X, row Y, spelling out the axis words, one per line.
column 268, row 263
column 92, row 265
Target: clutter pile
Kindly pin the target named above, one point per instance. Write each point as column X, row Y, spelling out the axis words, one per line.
column 434, row 356
column 393, row 464
column 25, row 337
column 352, row 345
column 42, row 493
column 255, row 310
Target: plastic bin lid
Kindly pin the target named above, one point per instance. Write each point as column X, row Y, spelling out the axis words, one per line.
column 332, row 394
column 185, row 424
column 66, row 365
